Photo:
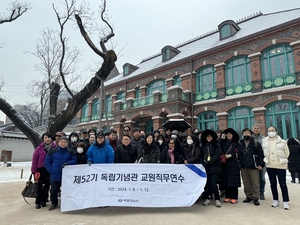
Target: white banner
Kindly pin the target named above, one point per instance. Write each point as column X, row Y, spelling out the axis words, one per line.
column 135, row 185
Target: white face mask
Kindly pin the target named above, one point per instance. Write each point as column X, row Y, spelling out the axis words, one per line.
column 80, row 150
column 173, row 136
column 73, row 139
column 160, row 142
column 189, row 142
column 272, row 134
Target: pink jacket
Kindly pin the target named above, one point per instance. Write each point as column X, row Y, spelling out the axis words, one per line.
column 39, row 156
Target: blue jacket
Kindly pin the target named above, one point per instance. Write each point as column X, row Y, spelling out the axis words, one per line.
column 55, row 160
column 100, row 154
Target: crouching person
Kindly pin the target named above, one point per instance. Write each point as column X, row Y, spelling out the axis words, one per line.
column 56, row 159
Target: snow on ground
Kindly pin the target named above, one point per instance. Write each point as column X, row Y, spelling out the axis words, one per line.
column 14, row 172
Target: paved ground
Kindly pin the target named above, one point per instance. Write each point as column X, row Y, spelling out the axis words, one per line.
column 13, row 210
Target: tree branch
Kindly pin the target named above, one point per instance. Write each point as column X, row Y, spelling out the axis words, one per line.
column 17, row 9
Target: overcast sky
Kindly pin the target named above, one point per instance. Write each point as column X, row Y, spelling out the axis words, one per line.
column 141, row 27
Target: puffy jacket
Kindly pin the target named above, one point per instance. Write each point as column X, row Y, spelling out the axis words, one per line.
column 137, row 143
column 246, row 158
column 150, row 154
column 125, row 154
column 102, row 153
column 55, row 160
column 191, row 153
column 213, row 165
column 39, row 156
column 294, row 158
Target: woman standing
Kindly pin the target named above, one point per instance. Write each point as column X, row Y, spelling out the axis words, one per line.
column 174, row 151
column 149, row 152
column 191, row 150
column 210, row 153
column 294, row 159
column 39, row 170
column 230, row 178
column 276, row 153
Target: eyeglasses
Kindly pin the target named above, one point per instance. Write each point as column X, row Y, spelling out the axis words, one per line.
column 126, row 130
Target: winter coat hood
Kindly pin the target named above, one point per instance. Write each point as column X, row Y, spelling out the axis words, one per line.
column 211, row 133
column 235, row 135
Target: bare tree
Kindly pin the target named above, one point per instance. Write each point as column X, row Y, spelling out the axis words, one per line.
column 59, row 120
column 30, row 113
column 16, row 9
column 49, row 51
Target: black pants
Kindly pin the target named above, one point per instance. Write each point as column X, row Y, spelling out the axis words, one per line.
column 231, row 192
column 43, row 186
column 295, row 175
column 55, row 188
column 279, row 174
column 211, row 187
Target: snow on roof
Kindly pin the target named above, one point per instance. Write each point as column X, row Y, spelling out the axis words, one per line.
column 9, row 134
column 249, row 26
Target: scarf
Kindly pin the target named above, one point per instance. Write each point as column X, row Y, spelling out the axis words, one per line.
column 171, row 155
column 47, row 147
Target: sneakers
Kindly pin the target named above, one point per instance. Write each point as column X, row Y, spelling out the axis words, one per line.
column 206, row 202
column 275, row 203
column 218, row 203
column 52, row 207
column 227, row 200
column 247, row 200
column 286, row 205
column 262, row 197
column 256, row 202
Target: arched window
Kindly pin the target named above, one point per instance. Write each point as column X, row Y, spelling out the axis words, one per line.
column 206, row 83
column 238, row 71
column 240, row 118
column 95, row 107
column 277, row 61
column 177, row 80
column 285, row 116
column 84, row 113
column 208, row 120
column 121, row 95
column 108, row 105
column 155, row 85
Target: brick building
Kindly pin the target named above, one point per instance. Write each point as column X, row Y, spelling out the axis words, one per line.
column 241, row 73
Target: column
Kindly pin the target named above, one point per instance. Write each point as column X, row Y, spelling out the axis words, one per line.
column 260, row 118
column 221, row 84
column 296, row 48
column 223, row 120
column 257, row 82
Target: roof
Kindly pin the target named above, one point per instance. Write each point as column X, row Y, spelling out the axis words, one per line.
column 249, row 26
column 9, row 134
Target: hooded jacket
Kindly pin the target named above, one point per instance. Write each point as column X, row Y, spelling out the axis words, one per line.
column 72, row 145
column 210, row 153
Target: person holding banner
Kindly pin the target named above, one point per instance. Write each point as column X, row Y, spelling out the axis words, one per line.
column 210, row 152
column 191, row 150
column 100, row 151
column 149, row 152
column 125, row 153
column 56, row 159
column 174, row 151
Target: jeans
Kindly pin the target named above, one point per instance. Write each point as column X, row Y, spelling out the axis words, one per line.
column 211, row 187
column 262, row 180
column 281, row 175
column 55, row 188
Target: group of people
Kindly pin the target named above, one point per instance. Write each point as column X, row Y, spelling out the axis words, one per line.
column 227, row 159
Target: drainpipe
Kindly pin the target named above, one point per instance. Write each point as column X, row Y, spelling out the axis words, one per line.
column 192, row 94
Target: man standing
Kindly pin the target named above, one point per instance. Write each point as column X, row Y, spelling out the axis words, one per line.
column 262, row 180
column 137, row 141
column 84, row 136
column 56, row 159
column 251, row 163
column 100, row 151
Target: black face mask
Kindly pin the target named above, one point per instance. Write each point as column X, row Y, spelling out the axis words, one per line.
column 247, row 138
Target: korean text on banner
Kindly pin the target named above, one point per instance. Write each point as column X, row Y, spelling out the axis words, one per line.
column 135, row 185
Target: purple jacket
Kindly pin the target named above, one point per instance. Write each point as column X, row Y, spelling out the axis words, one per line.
column 39, row 156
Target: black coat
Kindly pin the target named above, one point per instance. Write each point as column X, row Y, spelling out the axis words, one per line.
column 230, row 172
column 191, row 153
column 213, row 166
column 125, row 154
column 246, row 158
column 150, row 154
column 81, row 158
column 294, row 158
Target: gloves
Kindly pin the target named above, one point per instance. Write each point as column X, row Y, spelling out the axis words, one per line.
column 66, row 163
column 89, row 162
